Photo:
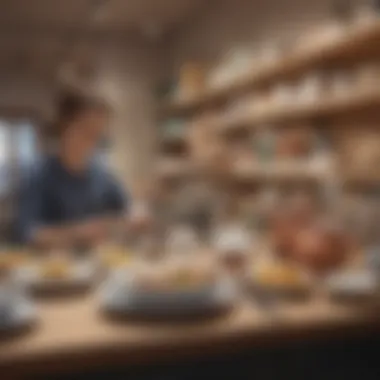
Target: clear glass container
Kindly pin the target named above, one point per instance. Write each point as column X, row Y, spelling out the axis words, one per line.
column 232, row 242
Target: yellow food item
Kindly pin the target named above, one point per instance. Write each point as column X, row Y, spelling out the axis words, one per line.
column 191, row 277
column 280, row 276
column 12, row 260
column 116, row 260
column 17, row 259
column 185, row 278
column 174, row 278
column 5, row 267
column 115, row 256
column 56, row 269
column 5, row 262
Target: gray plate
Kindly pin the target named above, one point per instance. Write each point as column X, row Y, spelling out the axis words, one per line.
column 81, row 276
column 122, row 298
column 21, row 314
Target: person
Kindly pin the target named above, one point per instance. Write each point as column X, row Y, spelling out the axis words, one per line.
column 67, row 198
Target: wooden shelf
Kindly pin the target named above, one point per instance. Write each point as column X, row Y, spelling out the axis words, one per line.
column 280, row 173
column 267, row 172
column 360, row 181
column 297, row 111
column 174, row 167
column 174, row 140
column 353, row 43
column 273, row 172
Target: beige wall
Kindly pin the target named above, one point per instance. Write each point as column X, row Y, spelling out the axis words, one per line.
column 128, row 78
column 23, row 93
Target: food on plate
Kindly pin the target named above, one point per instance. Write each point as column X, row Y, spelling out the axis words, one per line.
column 284, row 231
column 294, row 143
column 5, row 263
column 170, row 278
column 17, row 258
column 115, row 260
column 302, row 208
column 11, row 260
column 352, row 284
column 114, row 256
column 188, row 278
column 280, row 275
column 299, row 236
column 320, row 247
column 56, row 268
column 5, row 271
column 285, row 226
column 297, row 213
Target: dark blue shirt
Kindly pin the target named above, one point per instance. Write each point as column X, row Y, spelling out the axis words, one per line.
column 52, row 196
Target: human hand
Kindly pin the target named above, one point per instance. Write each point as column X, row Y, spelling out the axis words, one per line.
column 140, row 219
column 92, row 231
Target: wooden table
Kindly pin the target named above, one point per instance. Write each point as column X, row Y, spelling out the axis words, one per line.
column 74, row 334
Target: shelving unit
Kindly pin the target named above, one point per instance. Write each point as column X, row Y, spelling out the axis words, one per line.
column 174, row 167
column 298, row 111
column 273, row 173
column 353, row 43
column 278, row 172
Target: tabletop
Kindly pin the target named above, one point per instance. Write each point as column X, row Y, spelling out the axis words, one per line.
column 75, row 333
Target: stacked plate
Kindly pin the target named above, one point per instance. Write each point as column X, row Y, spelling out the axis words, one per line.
column 77, row 277
column 360, row 285
column 16, row 311
column 120, row 295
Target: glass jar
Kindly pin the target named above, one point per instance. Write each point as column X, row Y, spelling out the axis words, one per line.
column 232, row 242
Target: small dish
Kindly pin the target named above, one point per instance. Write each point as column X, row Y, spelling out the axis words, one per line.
column 353, row 286
column 12, row 260
column 126, row 293
column 57, row 277
column 16, row 310
column 20, row 314
column 281, row 280
column 114, row 257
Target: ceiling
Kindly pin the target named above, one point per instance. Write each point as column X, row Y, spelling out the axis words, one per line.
column 35, row 35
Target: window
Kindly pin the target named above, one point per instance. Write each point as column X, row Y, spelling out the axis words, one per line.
column 5, row 158
column 103, row 152
column 26, row 143
column 18, row 149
